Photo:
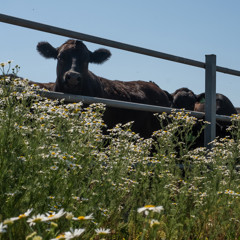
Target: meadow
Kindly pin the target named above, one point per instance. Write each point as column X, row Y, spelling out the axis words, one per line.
column 62, row 178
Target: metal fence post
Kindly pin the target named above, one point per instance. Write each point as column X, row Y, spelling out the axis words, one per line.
column 210, row 100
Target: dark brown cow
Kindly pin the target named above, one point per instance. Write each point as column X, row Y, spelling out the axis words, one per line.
column 74, row 77
column 223, row 107
column 49, row 86
column 184, row 98
column 238, row 109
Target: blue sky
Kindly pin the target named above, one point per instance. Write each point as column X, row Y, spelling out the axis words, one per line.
column 186, row 28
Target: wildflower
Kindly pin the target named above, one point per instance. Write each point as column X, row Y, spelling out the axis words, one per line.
column 71, row 234
column 148, row 208
column 13, row 219
column 69, row 215
column 61, row 236
column 54, row 216
column 8, row 221
column 37, row 238
column 3, row 228
column 154, row 222
column 74, row 233
column 22, row 158
column 83, row 217
column 38, row 218
column 102, row 231
column 71, row 165
column 26, row 214
column 54, row 168
column 30, row 236
column 54, row 225
column 76, row 198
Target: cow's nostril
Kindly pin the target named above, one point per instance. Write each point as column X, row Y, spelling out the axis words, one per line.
column 68, row 77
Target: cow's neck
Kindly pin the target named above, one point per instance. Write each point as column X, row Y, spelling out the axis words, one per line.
column 91, row 85
column 58, row 87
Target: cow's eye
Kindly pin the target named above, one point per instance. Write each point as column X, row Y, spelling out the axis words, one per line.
column 63, row 57
column 60, row 58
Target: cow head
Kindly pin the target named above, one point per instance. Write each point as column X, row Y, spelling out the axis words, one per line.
column 223, row 104
column 73, row 58
column 184, row 98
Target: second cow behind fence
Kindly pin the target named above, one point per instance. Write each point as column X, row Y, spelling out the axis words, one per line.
column 73, row 76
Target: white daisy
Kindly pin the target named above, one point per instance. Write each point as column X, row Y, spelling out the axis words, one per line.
column 3, row 228
column 148, row 208
column 61, row 236
column 74, row 233
column 102, row 231
column 38, row 218
column 83, row 217
column 24, row 215
column 53, row 215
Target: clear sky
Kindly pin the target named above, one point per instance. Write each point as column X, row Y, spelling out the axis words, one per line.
column 185, row 28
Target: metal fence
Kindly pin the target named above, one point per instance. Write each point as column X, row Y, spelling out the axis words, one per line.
column 209, row 65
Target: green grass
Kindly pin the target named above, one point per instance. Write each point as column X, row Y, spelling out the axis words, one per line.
column 56, row 163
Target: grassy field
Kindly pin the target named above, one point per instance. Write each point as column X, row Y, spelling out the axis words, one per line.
column 61, row 178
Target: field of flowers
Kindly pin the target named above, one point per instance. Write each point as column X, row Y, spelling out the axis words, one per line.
column 62, row 178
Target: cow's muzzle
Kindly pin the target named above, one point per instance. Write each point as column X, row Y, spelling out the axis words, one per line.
column 72, row 78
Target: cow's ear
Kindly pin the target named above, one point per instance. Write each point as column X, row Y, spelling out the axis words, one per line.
column 100, row 56
column 47, row 50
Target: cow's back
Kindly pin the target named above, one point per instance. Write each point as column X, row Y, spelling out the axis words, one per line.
column 145, row 123
column 135, row 91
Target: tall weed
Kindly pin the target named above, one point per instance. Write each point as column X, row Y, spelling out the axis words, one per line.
column 62, row 178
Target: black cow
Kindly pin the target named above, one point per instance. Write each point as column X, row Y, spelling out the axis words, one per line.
column 223, row 107
column 238, row 109
column 73, row 77
column 49, row 86
column 184, row 98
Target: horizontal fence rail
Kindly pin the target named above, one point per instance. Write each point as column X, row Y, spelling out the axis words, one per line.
column 71, row 98
column 106, row 42
column 98, row 40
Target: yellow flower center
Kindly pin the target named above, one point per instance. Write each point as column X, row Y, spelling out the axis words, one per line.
column 60, row 236
column 149, row 206
column 81, row 218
